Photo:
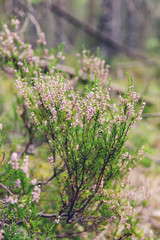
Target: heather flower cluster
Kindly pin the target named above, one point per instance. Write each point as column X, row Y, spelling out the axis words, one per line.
column 128, row 104
column 14, row 161
column 24, row 167
column 53, row 95
column 19, row 55
column 88, row 134
column 92, row 66
column 36, row 193
column 42, row 39
column 13, row 48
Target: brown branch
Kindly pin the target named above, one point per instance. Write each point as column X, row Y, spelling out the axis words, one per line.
column 52, row 177
column 124, row 236
column 44, row 215
column 52, row 216
column 6, row 189
column 70, row 214
column 97, row 34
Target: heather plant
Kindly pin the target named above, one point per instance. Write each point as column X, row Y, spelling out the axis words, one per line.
column 19, row 195
column 86, row 135
column 17, row 56
column 21, row 56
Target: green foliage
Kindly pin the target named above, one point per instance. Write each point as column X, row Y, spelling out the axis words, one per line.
column 146, row 162
column 153, row 45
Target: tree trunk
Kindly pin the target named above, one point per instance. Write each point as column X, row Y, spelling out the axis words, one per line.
column 132, row 23
column 110, row 22
column 91, row 7
column 59, row 25
column 106, row 18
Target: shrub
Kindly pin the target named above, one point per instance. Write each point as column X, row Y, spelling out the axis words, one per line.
column 86, row 134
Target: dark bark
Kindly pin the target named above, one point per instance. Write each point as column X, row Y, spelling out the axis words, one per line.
column 106, row 18
column 91, row 6
column 106, row 26
column 132, row 24
column 110, row 22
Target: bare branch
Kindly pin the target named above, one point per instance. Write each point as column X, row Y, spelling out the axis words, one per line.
column 53, row 216
column 25, row 25
column 30, row 16
column 35, row 23
column 150, row 115
column 6, row 189
column 97, row 34
column 52, row 177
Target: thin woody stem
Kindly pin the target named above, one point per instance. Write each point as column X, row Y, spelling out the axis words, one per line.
column 6, row 189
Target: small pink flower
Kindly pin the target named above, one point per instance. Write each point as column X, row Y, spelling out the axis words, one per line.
column 22, row 205
column 25, row 166
column 12, row 199
column 59, row 55
column 36, row 193
column 46, row 52
column 34, row 181
column 42, row 39
column 15, row 22
column 102, row 183
column 128, row 226
column 50, row 159
column 58, row 220
column 1, row 234
column 0, row 126
column 14, row 161
column 18, row 183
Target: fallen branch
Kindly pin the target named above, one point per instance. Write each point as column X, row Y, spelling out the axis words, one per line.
column 6, row 189
column 150, row 115
column 44, row 215
column 52, row 216
column 97, row 34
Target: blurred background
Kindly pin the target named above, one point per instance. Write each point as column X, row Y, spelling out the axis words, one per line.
column 127, row 33
column 132, row 23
